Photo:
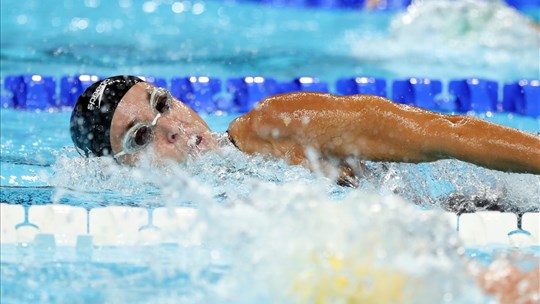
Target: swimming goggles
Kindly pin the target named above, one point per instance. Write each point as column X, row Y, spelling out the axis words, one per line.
column 141, row 134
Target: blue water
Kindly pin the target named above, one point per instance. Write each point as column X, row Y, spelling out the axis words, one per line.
column 38, row 158
column 224, row 39
column 265, row 219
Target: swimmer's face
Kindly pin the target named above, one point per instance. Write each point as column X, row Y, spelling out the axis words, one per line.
column 176, row 134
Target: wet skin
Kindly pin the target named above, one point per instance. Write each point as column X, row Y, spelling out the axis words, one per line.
column 361, row 126
column 374, row 128
column 337, row 127
column 178, row 134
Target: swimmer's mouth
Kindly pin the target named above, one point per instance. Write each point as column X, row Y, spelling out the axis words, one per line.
column 195, row 141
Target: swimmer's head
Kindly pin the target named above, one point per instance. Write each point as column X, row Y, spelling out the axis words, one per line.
column 124, row 117
column 93, row 113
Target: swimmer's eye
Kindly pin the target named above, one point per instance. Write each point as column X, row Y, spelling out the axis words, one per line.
column 141, row 137
column 162, row 104
column 161, row 100
column 137, row 138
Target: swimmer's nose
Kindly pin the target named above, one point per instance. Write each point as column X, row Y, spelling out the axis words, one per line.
column 172, row 136
column 165, row 129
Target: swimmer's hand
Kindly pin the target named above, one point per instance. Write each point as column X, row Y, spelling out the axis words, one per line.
column 509, row 283
column 346, row 173
column 347, row 177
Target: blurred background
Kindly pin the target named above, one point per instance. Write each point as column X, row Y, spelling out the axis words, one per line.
column 278, row 38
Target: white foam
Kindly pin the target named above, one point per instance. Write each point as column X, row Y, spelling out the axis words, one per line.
column 265, row 219
column 456, row 36
column 277, row 239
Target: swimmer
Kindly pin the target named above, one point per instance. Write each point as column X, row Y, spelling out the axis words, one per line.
column 124, row 116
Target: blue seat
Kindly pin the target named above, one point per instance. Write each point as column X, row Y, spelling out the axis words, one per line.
column 304, row 84
column 197, row 92
column 352, row 3
column 71, row 87
column 524, row 4
column 531, row 105
column 522, row 97
column 323, row 3
column 14, row 84
column 460, row 92
column 357, row 4
column 69, row 91
column 248, row 91
column 512, row 95
column 361, row 85
column 40, row 92
column 287, row 87
column 393, row 4
column 298, row 3
column 158, row 82
column 6, row 101
column 420, row 92
column 402, row 92
column 474, row 94
column 425, row 92
column 88, row 80
column 32, row 92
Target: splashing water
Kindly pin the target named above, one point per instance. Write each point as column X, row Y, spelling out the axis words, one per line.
column 290, row 243
column 456, row 186
column 283, row 233
column 228, row 175
column 457, row 37
column 466, row 24
column 292, row 235
column 232, row 175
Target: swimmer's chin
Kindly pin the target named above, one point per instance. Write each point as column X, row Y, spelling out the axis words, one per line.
column 153, row 161
column 199, row 147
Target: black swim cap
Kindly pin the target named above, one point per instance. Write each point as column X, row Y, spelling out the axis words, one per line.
column 92, row 116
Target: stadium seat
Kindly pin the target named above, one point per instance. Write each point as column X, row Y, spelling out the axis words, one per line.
column 71, row 87
column 40, row 92
column 197, row 92
column 420, row 92
column 14, row 84
column 522, row 97
column 158, row 82
column 248, row 91
column 474, row 94
column 304, row 84
column 361, row 85
column 6, row 101
column 524, row 4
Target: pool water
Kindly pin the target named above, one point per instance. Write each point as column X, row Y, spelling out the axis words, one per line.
column 42, row 166
column 265, row 232
column 224, row 39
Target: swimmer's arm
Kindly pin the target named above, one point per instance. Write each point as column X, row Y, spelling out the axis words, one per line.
column 374, row 128
column 486, row 144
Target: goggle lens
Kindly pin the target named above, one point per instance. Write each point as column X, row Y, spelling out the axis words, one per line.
column 140, row 135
